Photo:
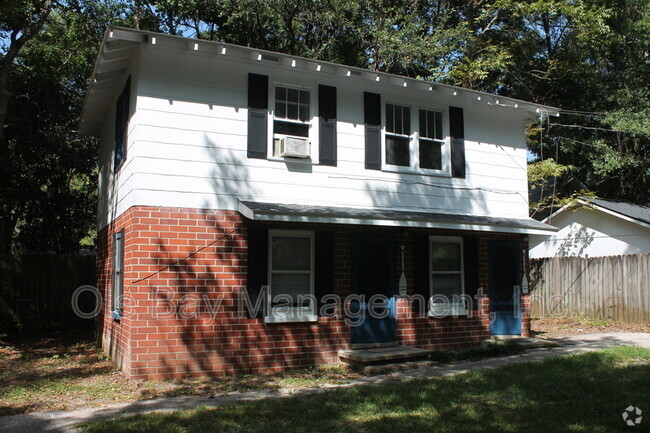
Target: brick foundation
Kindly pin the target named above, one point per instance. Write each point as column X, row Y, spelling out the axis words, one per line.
column 179, row 264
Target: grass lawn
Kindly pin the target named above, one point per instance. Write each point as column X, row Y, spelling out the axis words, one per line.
column 580, row 393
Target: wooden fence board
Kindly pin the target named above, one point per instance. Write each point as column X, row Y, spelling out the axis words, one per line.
column 51, row 279
column 615, row 287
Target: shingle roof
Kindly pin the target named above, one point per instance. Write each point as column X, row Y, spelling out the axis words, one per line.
column 634, row 211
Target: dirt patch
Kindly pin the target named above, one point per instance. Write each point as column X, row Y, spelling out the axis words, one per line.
column 550, row 327
column 65, row 372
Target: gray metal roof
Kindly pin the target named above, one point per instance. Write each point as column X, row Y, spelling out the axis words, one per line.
column 634, row 211
column 389, row 217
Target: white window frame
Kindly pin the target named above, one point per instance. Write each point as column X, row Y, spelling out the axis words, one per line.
column 445, row 154
column 450, row 309
column 386, row 134
column 312, row 124
column 292, row 314
column 414, row 141
column 117, row 293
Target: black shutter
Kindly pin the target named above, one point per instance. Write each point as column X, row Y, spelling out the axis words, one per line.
column 257, row 262
column 258, row 104
column 372, row 120
column 457, row 132
column 327, row 125
column 122, row 107
column 471, row 266
column 324, row 277
column 421, row 254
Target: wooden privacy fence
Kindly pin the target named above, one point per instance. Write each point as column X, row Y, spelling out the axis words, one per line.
column 50, row 279
column 615, row 287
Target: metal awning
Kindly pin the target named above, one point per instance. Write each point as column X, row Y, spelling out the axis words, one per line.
column 260, row 211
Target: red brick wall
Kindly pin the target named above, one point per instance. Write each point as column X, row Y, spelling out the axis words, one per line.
column 414, row 328
column 114, row 336
column 179, row 263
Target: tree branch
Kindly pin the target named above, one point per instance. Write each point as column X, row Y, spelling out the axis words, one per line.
column 17, row 43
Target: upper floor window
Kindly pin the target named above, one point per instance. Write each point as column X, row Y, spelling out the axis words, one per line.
column 292, row 111
column 122, row 107
column 292, row 122
column 398, row 135
column 413, row 143
column 430, row 141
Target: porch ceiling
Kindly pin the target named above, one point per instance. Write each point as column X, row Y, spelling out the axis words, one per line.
column 260, row 211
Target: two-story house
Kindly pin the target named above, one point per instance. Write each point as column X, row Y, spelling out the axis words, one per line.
column 260, row 211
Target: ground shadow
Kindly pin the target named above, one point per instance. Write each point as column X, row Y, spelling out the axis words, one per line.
column 588, row 392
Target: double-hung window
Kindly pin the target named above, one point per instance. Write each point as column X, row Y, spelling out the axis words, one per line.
column 118, row 274
column 398, row 135
column 122, row 125
column 447, row 277
column 291, row 276
column 291, row 115
column 414, row 144
column 430, row 141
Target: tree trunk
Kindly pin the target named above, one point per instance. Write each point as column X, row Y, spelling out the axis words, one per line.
column 136, row 14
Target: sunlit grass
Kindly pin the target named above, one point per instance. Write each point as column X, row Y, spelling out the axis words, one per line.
column 580, row 393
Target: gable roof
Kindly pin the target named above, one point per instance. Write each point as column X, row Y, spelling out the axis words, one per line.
column 119, row 45
column 634, row 213
column 637, row 212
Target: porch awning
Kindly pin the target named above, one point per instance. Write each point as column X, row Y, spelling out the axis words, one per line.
column 260, row 211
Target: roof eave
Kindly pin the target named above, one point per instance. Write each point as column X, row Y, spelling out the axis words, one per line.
column 90, row 126
column 592, row 205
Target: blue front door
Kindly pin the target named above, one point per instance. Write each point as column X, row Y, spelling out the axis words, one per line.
column 505, row 281
column 373, row 273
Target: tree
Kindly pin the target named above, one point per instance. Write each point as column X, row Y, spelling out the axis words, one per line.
column 20, row 21
column 48, row 189
column 602, row 72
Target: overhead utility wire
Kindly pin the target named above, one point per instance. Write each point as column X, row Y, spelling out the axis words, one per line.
column 618, row 131
column 584, row 113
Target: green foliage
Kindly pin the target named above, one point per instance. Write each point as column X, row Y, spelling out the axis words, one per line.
column 18, row 15
column 543, row 178
column 48, row 192
column 541, row 171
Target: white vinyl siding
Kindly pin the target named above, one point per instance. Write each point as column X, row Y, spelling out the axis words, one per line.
column 187, row 146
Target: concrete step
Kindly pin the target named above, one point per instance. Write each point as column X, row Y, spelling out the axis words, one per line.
column 382, row 355
column 373, row 345
column 528, row 343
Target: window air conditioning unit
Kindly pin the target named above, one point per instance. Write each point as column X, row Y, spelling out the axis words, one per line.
column 294, row 147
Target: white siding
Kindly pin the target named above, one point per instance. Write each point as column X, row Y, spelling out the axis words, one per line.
column 117, row 190
column 187, row 146
column 591, row 233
